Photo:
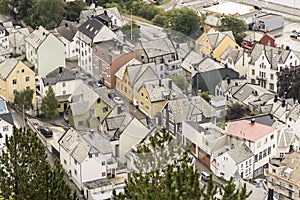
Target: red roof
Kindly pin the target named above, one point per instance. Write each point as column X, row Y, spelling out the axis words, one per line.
column 245, row 130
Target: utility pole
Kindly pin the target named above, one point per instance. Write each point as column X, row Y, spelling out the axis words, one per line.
column 131, row 25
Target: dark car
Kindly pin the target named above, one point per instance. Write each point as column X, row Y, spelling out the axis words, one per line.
column 257, row 8
column 46, row 131
column 295, row 35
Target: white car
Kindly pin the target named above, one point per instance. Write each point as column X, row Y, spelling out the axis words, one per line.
column 118, row 100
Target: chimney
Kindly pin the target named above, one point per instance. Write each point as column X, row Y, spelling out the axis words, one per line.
column 119, row 108
column 275, row 98
column 67, row 25
column 60, row 69
column 283, row 102
column 115, row 45
column 252, row 121
column 159, row 82
column 105, row 12
column 170, row 84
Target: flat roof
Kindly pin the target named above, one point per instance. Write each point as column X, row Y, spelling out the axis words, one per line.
column 229, row 8
column 246, row 130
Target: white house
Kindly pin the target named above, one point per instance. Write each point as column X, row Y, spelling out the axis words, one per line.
column 86, row 156
column 6, row 123
column 237, row 160
column 68, row 35
column 4, row 41
column 88, row 33
column 261, row 140
column 44, row 51
column 266, row 61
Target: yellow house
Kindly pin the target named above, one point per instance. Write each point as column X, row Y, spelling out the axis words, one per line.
column 153, row 95
column 15, row 76
column 130, row 77
column 214, row 43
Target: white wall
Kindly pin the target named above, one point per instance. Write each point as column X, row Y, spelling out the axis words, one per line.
column 60, row 89
column 5, row 129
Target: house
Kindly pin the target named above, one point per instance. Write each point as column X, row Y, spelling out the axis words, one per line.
column 108, row 57
column 252, row 95
column 131, row 77
column 212, row 22
column 228, row 87
column 110, row 15
column 210, row 73
column 154, row 94
column 15, row 76
column 189, row 65
column 236, row 59
column 214, row 43
column 17, row 40
column 162, row 52
column 6, row 123
column 266, row 61
column 86, row 156
column 88, row 107
column 193, row 108
column 283, row 176
column 88, row 33
column 238, row 159
column 4, row 41
column 44, row 51
column 261, row 140
column 4, row 54
column 268, row 22
column 64, row 83
column 257, row 37
column 67, row 31
column 288, row 141
column 133, row 134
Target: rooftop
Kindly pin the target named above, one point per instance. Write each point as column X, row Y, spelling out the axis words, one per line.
column 91, row 27
column 154, row 48
column 247, row 130
column 7, row 66
column 37, row 37
column 229, row 8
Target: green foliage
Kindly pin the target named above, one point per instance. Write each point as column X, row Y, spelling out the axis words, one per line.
column 181, row 82
column 236, row 110
column 205, row 96
column 136, row 32
column 147, row 11
column 119, row 7
column 49, row 104
column 25, row 172
column 289, row 83
column 4, row 8
column 24, row 98
column 237, row 26
column 230, row 192
column 73, row 9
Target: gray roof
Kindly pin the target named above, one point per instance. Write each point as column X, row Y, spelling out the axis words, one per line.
column 254, row 36
column 158, row 47
column 158, row 92
column 250, row 91
column 207, row 64
column 182, row 109
column 140, row 73
column 285, row 138
column 7, row 66
column 37, row 37
column 103, row 94
column 17, row 37
column 7, row 117
column 67, row 29
column 240, row 153
column 233, row 53
column 274, row 55
column 215, row 37
column 191, row 60
column 60, row 74
column 213, row 20
column 80, row 144
column 91, row 27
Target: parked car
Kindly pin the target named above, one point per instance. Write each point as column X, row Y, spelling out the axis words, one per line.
column 215, row 2
column 206, row 5
column 111, row 95
column 46, row 131
column 257, row 7
column 205, row 176
column 295, row 35
column 118, row 101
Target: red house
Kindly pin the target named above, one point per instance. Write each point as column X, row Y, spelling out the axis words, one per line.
column 257, row 37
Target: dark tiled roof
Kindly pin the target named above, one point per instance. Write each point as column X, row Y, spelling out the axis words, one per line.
column 91, row 27
column 8, row 118
column 58, row 75
column 196, row 34
column 67, row 30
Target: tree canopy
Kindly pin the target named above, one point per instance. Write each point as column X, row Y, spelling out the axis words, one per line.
column 49, row 104
column 26, row 174
column 24, row 98
column 237, row 26
column 236, row 110
column 289, row 83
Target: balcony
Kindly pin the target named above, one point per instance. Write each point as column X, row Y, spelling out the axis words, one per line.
column 111, row 164
column 261, row 78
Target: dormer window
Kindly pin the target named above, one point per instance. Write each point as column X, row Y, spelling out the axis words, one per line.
column 87, row 26
column 91, row 29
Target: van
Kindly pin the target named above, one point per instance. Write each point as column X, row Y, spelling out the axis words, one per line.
column 47, row 132
column 205, row 176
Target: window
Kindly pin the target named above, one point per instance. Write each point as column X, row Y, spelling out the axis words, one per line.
column 75, row 171
column 272, row 76
column 64, row 92
column 147, row 97
column 90, row 155
column 273, row 171
column 65, row 161
column 142, row 94
column 5, row 128
column 80, row 123
column 98, row 100
column 142, row 103
column 17, row 72
column 96, row 154
column 28, row 88
column 272, row 136
column 22, row 70
column 105, row 109
column 271, row 86
column 103, row 174
column 147, row 107
column 64, row 84
column 103, row 163
column 75, row 162
column 253, row 72
column 266, row 140
column 14, row 81
column 117, row 150
column 269, row 150
column 15, row 92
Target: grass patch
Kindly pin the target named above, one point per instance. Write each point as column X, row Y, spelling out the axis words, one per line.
column 291, row 20
column 164, row 2
column 136, row 18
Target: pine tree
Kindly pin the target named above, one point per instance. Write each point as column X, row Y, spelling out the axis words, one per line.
column 25, row 172
column 24, row 99
column 50, row 104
